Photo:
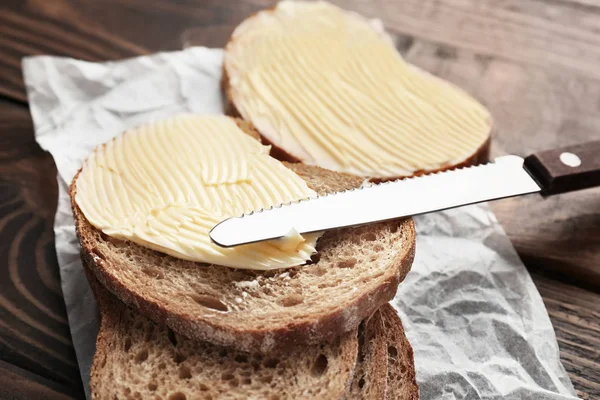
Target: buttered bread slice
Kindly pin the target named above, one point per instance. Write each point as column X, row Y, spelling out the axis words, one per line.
column 165, row 185
column 144, row 203
column 327, row 87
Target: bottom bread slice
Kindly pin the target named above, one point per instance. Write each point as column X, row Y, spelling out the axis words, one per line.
column 139, row 359
column 385, row 366
column 369, row 380
column 401, row 380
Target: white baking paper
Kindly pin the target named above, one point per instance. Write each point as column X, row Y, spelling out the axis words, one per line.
column 476, row 322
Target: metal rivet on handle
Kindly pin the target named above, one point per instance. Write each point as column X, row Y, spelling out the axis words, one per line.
column 570, row 159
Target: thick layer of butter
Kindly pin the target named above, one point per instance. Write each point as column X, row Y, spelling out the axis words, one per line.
column 165, row 185
column 328, row 87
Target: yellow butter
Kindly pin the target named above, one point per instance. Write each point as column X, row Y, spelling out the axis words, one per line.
column 164, row 185
column 328, row 87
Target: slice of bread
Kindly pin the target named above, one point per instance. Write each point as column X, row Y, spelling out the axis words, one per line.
column 351, row 127
column 370, row 375
column 401, row 374
column 358, row 270
column 139, row 359
column 385, row 363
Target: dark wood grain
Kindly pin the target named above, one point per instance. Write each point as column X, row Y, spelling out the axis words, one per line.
column 533, row 63
column 106, row 30
column 34, row 333
column 575, row 316
column 20, row 384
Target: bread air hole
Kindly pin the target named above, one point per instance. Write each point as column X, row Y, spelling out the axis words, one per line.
column 179, row 358
column 227, row 376
column 361, row 383
column 153, row 272
column 290, row 300
column 348, row 263
column 177, row 396
column 241, row 358
column 320, row 365
column 152, row 386
column 392, row 351
column 141, row 356
column 127, row 345
column 171, row 337
column 209, row 302
column 185, row 372
column 271, row 363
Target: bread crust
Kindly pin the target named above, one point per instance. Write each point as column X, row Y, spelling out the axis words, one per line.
column 480, row 156
column 294, row 333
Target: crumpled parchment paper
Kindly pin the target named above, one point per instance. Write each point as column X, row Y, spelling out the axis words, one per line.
column 476, row 322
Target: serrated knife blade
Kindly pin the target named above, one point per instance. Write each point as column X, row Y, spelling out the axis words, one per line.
column 506, row 177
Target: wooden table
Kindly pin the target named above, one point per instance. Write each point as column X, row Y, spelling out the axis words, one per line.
column 535, row 64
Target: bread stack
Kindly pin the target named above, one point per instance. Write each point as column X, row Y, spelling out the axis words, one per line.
column 176, row 327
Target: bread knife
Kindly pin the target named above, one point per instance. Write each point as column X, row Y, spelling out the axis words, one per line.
column 548, row 172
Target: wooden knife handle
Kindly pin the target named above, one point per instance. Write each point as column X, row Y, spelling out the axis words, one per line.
column 566, row 169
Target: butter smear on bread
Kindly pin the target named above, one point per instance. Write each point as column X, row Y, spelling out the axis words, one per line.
column 329, row 88
column 164, row 185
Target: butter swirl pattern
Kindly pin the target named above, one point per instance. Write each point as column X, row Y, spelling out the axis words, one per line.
column 165, row 185
column 329, row 87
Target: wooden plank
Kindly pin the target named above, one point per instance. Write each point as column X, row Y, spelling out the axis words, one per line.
column 34, row 332
column 107, row 30
column 575, row 316
column 557, row 33
column 19, row 384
